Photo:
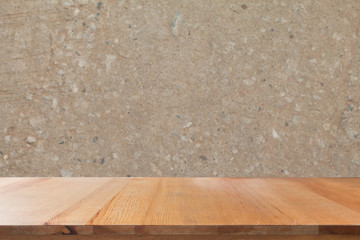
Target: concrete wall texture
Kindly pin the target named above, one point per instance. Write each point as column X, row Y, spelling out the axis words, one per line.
column 180, row 88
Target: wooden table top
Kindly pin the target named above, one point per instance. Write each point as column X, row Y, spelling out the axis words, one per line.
column 170, row 202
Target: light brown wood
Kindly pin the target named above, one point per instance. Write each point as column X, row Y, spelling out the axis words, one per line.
column 143, row 206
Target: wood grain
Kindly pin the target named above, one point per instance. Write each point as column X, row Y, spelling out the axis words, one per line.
column 200, row 206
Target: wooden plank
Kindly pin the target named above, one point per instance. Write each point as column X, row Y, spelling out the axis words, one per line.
column 89, row 206
column 36, row 203
column 225, row 202
column 179, row 206
column 286, row 202
column 331, row 187
column 130, row 205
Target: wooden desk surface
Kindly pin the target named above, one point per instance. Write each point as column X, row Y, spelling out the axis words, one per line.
column 183, row 205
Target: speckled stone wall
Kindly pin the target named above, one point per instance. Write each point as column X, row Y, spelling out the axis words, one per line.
column 179, row 88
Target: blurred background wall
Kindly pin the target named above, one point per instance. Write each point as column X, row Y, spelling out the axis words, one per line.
column 179, row 88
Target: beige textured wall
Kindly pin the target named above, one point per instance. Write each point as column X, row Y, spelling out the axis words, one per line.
column 179, row 88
